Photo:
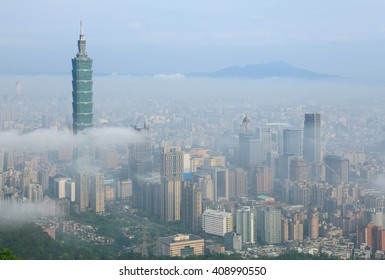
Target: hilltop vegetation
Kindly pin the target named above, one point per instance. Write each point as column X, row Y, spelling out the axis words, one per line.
column 27, row 241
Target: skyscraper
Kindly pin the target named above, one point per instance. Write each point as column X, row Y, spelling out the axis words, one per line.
column 82, row 192
column 244, row 224
column 171, row 180
column 336, row 170
column 60, row 187
column 271, row 226
column 238, row 185
column 312, row 138
column 81, row 87
column 313, row 224
column 140, row 159
column 263, row 181
column 299, row 169
column 248, row 146
column 266, row 144
column 191, row 208
column 312, row 144
column 292, row 142
column 97, row 193
column 220, row 178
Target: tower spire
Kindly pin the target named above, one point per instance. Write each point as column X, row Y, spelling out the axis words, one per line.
column 82, row 41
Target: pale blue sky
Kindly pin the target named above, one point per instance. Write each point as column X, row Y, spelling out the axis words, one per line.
column 344, row 37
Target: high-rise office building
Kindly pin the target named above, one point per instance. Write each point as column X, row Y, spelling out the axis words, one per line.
column 244, row 224
column 265, row 136
column 34, row 192
column 206, row 185
column 375, row 237
column 82, row 87
column 312, row 144
column 295, row 230
column 151, row 195
column 238, row 185
column 70, row 191
column 220, row 178
column 191, row 206
column 125, row 189
column 312, row 138
column 292, row 142
column 171, row 180
column 283, row 166
column 336, row 170
column 271, row 226
column 140, row 159
column 82, row 191
column 298, row 169
column 250, row 148
column 313, row 224
column 263, row 181
column 2, row 160
column 284, row 229
column 318, row 194
column 97, row 193
column 60, row 187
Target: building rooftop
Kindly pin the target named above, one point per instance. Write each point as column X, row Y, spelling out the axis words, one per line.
column 179, row 238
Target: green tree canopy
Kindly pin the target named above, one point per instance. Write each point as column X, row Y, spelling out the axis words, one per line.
column 7, row 254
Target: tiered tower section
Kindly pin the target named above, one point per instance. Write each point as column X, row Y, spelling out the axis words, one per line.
column 82, row 87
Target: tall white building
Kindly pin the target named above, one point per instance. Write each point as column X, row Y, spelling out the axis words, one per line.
column 217, row 222
column 70, row 189
column 60, row 187
column 244, row 224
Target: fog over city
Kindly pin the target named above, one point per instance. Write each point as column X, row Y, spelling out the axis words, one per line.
column 250, row 129
column 50, row 138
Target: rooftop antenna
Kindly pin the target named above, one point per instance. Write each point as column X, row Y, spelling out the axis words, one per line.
column 81, row 28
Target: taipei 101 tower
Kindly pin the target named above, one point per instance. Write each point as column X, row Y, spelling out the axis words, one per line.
column 81, row 87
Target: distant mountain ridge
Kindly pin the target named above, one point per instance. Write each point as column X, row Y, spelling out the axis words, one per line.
column 265, row 70
column 276, row 69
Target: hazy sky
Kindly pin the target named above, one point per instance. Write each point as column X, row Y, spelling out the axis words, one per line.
column 344, row 37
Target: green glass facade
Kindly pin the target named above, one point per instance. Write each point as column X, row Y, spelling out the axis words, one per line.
column 82, row 88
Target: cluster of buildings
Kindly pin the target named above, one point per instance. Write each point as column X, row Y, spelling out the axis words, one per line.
column 293, row 182
column 86, row 233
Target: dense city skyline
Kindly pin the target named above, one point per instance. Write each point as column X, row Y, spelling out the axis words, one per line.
column 171, row 166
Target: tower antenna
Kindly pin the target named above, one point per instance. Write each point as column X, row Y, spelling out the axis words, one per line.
column 81, row 28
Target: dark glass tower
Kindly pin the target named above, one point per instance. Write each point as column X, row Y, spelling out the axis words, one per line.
column 312, row 145
column 312, row 138
column 81, row 87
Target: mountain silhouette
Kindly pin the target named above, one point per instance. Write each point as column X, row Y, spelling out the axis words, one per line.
column 265, row 70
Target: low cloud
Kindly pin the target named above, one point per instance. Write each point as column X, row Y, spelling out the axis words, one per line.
column 176, row 76
column 23, row 211
column 51, row 138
